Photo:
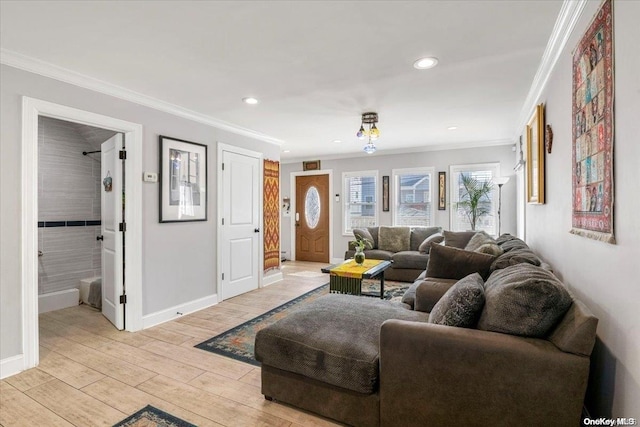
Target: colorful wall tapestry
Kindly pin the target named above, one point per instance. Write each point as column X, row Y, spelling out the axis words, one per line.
column 593, row 130
column 271, row 227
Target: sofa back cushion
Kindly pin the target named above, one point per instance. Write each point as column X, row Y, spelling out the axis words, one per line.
column 576, row 332
column 452, row 263
column 514, row 257
column 365, row 234
column 461, row 305
column 374, row 234
column 523, row 300
column 419, row 234
column 394, row 239
column 457, row 239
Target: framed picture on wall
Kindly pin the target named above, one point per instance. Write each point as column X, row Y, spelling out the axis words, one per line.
column 442, row 191
column 183, row 180
column 535, row 157
column 385, row 193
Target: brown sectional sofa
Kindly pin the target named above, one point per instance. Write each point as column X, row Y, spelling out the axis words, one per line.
column 366, row 362
column 408, row 261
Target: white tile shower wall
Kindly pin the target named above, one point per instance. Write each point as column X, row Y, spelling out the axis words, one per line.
column 68, row 190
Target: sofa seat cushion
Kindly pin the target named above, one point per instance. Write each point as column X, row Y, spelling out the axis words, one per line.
column 410, row 259
column 334, row 339
column 523, row 300
column 394, row 239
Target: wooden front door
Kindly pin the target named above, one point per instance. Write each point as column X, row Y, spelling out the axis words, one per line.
column 312, row 218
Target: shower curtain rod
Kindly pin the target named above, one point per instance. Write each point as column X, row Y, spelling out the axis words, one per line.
column 84, row 153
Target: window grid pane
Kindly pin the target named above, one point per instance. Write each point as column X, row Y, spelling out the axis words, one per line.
column 413, row 199
column 360, row 202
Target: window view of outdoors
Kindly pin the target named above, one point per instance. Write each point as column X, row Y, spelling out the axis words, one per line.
column 360, row 209
column 413, row 199
column 485, row 222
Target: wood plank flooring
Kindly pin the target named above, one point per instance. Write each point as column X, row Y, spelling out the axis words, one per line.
column 90, row 374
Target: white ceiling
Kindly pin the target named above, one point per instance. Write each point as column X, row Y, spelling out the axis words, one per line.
column 315, row 66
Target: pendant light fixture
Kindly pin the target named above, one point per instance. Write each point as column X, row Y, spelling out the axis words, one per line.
column 371, row 132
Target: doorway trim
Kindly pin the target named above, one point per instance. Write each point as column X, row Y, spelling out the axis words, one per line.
column 219, row 233
column 292, row 196
column 32, row 109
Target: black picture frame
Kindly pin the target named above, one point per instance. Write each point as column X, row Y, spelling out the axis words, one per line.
column 183, row 180
column 442, row 191
column 385, row 193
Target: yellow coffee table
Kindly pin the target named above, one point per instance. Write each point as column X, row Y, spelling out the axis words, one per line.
column 346, row 277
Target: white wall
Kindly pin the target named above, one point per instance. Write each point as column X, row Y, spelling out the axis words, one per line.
column 604, row 276
column 178, row 258
column 439, row 160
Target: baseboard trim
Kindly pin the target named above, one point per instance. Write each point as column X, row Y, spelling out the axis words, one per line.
column 11, row 366
column 58, row 300
column 180, row 310
column 272, row 278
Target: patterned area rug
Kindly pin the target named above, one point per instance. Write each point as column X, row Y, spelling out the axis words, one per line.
column 153, row 417
column 238, row 343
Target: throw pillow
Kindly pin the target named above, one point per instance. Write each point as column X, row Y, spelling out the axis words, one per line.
column 513, row 244
column 491, row 249
column 418, row 234
column 461, row 305
column 425, row 246
column 364, row 234
column 478, row 239
column 394, row 239
column 457, row 239
column 523, row 300
column 374, row 234
column 452, row 263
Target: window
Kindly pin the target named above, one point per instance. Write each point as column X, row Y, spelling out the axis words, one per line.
column 359, row 202
column 412, row 191
column 481, row 173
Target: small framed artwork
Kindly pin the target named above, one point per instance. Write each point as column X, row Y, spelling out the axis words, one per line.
column 535, row 157
column 312, row 165
column 183, row 180
column 442, row 191
column 385, row 193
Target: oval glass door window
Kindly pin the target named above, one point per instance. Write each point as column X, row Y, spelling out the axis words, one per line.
column 312, row 207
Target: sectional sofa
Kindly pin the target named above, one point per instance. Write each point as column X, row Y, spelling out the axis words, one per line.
column 478, row 340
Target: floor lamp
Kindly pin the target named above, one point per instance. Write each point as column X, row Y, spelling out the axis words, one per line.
column 501, row 180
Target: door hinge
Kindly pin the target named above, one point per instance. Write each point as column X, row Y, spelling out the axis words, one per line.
column 222, row 221
column 122, row 227
column 222, row 276
column 123, row 154
column 223, row 166
column 123, row 299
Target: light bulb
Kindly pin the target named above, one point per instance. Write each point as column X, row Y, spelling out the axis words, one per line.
column 361, row 133
column 369, row 148
column 375, row 133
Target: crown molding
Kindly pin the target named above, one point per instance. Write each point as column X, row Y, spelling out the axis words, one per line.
column 407, row 150
column 565, row 23
column 46, row 69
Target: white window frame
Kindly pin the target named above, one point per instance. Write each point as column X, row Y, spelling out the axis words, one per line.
column 394, row 189
column 453, row 193
column 345, row 197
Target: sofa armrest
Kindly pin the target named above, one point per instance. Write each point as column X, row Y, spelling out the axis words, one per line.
column 441, row 375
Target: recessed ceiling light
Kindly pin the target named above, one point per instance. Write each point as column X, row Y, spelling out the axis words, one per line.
column 286, row 151
column 452, row 128
column 337, row 141
column 250, row 101
column 425, row 63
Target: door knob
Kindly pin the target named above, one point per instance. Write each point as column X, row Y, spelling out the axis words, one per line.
column 100, row 237
column 256, row 230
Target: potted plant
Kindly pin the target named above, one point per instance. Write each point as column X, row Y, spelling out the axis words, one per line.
column 360, row 245
column 474, row 199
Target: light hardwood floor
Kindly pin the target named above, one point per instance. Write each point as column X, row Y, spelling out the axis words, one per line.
column 90, row 374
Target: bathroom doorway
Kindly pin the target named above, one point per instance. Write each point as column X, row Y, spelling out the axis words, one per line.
column 80, row 206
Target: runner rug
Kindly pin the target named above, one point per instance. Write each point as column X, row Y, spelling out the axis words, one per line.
column 238, row 343
column 152, row 417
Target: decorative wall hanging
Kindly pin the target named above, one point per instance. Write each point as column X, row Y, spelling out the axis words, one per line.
column 593, row 129
column 385, row 193
column 271, row 215
column 548, row 138
column 313, row 165
column 442, row 191
column 535, row 157
column 183, row 183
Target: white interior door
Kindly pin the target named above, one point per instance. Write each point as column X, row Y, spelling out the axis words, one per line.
column 113, row 238
column 241, row 228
